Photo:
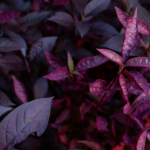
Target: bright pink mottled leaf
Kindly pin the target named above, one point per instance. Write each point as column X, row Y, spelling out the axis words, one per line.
column 61, row 2
column 90, row 62
column 138, row 79
column 20, row 90
column 98, row 87
column 141, row 98
column 124, row 88
column 111, row 55
column 131, row 38
column 138, row 62
column 58, row 74
column 101, row 124
column 56, row 102
column 8, row 15
column 53, row 61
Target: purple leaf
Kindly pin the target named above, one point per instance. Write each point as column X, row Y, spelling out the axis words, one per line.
column 63, row 19
column 102, row 28
column 70, row 63
column 126, row 139
column 138, row 62
column 134, row 89
column 124, row 88
column 55, row 126
column 145, row 71
column 40, row 88
column 12, row 62
column 90, row 62
column 95, row 6
column 111, row 55
column 82, row 27
column 37, row 5
column 141, row 98
column 131, row 38
column 98, row 87
column 138, row 79
column 7, row 16
column 61, row 2
column 63, row 116
column 5, row 101
column 44, row 44
column 53, row 61
column 20, row 90
column 56, row 102
column 24, row 120
column 58, row 74
column 127, row 109
column 101, row 124
column 4, row 110
column 34, row 18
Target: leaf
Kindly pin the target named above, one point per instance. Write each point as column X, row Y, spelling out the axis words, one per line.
column 131, row 38
column 92, row 145
column 70, row 63
column 138, row 79
column 126, row 139
column 8, row 16
column 53, row 61
column 56, row 102
column 63, row 19
column 82, row 27
column 111, row 55
column 90, row 62
column 86, row 81
column 95, row 6
column 141, row 98
column 34, row 18
column 44, row 44
column 58, row 74
column 37, row 5
column 4, row 110
column 121, row 146
column 12, row 62
column 24, row 120
column 20, row 90
column 5, row 101
column 101, row 124
column 102, row 28
column 118, row 40
column 127, row 109
column 40, row 88
column 61, row 2
column 98, row 87
column 138, row 62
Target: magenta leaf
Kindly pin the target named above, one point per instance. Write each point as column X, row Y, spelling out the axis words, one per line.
column 124, row 88
column 98, row 87
column 63, row 19
column 40, row 88
column 126, row 139
column 44, row 44
column 20, row 90
column 90, row 62
column 58, row 74
column 138, row 62
column 127, row 109
column 138, row 79
column 61, row 2
column 24, row 120
column 8, row 15
column 145, row 70
column 12, row 62
column 101, row 124
column 56, row 102
column 111, row 55
column 95, row 6
column 34, row 18
column 131, row 38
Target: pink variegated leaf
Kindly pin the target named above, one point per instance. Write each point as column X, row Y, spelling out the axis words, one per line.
column 111, row 55
column 90, row 62
column 53, row 61
column 143, row 28
column 58, row 74
column 98, row 87
column 138, row 79
column 127, row 109
column 124, row 88
column 141, row 98
column 138, row 62
column 61, row 2
column 20, row 90
column 8, row 15
column 131, row 38
column 101, row 124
